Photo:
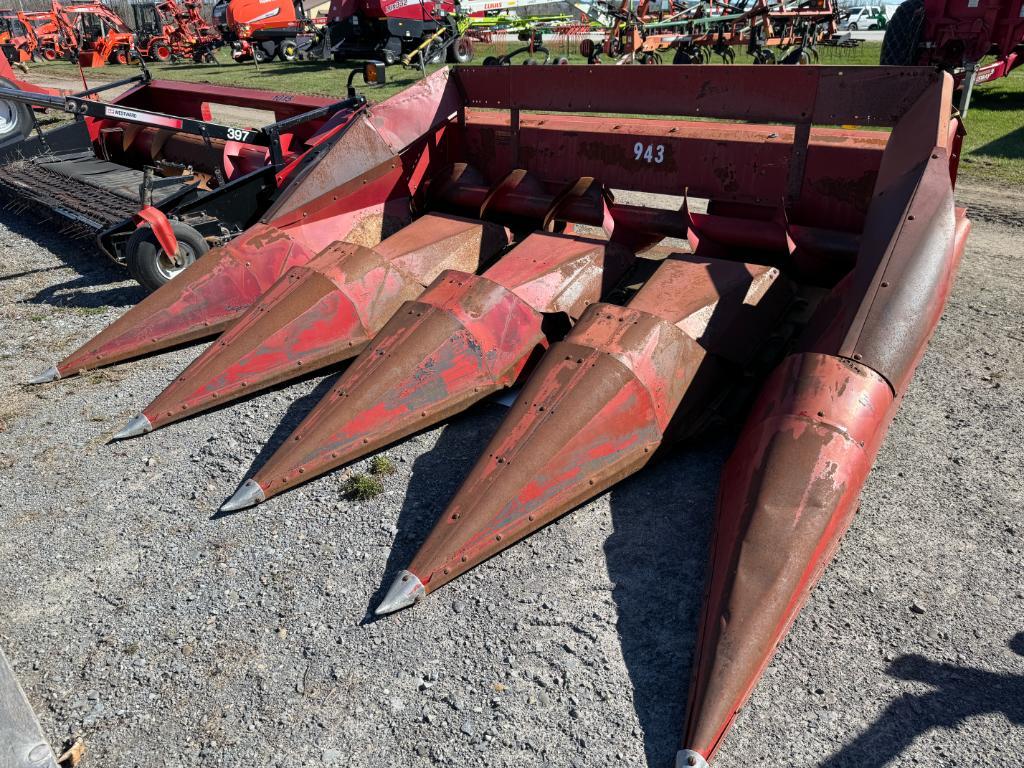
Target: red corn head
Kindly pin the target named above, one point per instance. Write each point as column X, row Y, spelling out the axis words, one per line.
column 597, row 408
column 788, row 493
column 320, row 313
column 192, row 306
column 466, row 337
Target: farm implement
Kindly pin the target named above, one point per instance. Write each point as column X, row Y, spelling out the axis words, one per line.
column 167, row 30
column 956, row 36
column 18, row 40
column 770, row 32
column 148, row 176
column 465, row 237
column 103, row 36
column 56, row 36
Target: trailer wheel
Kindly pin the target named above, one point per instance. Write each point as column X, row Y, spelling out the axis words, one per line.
column 288, row 50
column 264, row 52
column 160, row 52
column 15, row 118
column 903, row 35
column 461, row 51
column 149, row 263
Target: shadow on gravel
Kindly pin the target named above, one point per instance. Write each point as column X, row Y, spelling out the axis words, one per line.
column 960, row 693
column 93, row 268
column 657, row 558
column 76, row 293
column 436, row 476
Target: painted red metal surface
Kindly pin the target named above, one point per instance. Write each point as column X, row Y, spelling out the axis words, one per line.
column 199, row 303
column 161, row 227
column 324, row 311
column 601, row 401
column 356, row 188
column 787, row 495
column 792, row 484
column 466, row 337
column 959, row 31
column 862, row 225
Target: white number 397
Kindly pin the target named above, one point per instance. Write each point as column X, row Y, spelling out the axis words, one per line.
column 649, row 153
column 237, row 134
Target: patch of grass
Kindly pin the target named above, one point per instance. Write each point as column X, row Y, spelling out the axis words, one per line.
column 91, row 310
column 994, row 145
column 329, row 79
column 382, row 465
column 993, row 149
column 360, row 487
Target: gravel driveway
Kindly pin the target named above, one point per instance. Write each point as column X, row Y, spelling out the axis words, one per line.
column 168, row 636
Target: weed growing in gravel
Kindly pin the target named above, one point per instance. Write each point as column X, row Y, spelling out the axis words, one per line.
column 361, row 487
column 382, row 465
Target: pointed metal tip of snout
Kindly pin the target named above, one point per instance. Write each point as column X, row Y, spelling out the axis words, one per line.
column 140, row 425
column 687, row 758
column 249, row 494
column 405, row 590
column 50, row 374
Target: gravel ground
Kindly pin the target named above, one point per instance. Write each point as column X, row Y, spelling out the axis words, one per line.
column 167, row 636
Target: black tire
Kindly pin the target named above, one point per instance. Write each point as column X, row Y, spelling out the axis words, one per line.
column 684, row 56
column 797, row 56
column 461, row 51
column 264, row 52
column 903, row 35
column 491, row 61
column 149, row 264
column 160, row 52
column 288, row 50
column 15, row 118
column 853, row 27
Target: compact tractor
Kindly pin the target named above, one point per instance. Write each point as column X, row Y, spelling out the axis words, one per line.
column 56, row 35
column 17, row 37
column 168, row 30
column 103, row 36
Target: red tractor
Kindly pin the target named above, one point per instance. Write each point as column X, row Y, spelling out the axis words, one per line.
column 55, row 33
column 166, row 30
column 17, row 37
column 103, row 35
column 955, row 35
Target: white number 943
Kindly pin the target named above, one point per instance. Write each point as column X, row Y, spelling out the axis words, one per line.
column 649, row 153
